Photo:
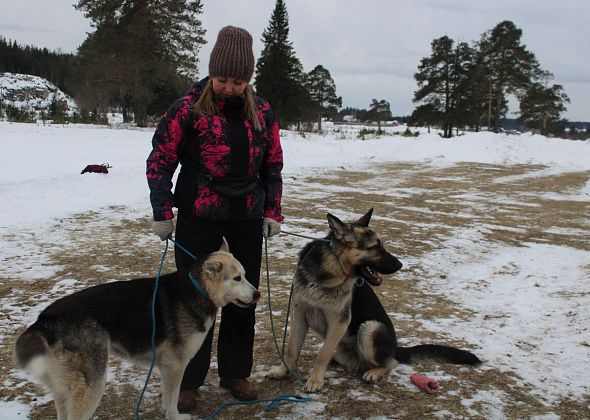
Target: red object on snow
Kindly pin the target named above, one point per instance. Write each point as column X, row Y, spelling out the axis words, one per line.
column 101, row 169
column 425, row 383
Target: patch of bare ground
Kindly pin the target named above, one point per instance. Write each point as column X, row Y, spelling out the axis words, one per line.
column 417, row 207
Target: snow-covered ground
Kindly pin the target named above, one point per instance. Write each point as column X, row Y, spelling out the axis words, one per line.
column 40, row 165
column 40, row 182
column 32, row 92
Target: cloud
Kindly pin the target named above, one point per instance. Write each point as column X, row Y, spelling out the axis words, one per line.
column 16, row 27
column 365, row 45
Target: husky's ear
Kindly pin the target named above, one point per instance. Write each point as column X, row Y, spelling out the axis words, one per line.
column 211, row 268
column 338, row 227
column 224, row 246
column 364, row 221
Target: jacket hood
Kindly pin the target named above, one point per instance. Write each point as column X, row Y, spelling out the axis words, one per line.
column 198, row 87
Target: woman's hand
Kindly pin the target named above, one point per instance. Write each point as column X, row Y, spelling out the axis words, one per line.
column 270, row 227
column 163, row 228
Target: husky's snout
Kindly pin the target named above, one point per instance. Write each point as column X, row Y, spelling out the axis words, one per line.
column 255, row 297
column 248, row 298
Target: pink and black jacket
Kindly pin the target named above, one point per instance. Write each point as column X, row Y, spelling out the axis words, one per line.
column 215, row 150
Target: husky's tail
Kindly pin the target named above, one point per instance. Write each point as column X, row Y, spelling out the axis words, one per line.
column 31, row 347
column 444, row 354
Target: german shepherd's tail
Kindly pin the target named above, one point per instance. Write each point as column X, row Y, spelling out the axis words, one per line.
column 30, row 351
column 445, row 354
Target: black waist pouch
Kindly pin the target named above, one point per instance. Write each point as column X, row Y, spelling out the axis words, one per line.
column 231, row 187
column 185, row 190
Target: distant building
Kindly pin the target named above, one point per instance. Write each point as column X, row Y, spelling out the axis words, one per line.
column 350, row 118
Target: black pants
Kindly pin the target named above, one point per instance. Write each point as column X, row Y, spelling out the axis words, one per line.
column 236, row 332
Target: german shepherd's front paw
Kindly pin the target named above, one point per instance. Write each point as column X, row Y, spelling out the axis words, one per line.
column 373, row 375
column 180, row 417
column 278, row 372
column 314, row 384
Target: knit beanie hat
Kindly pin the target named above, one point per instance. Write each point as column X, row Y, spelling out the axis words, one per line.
column 232, row 54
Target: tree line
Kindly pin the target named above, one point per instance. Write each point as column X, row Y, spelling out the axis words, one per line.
column 54, row 66
column 295, row 96
column 142, row 55
column 467, row 86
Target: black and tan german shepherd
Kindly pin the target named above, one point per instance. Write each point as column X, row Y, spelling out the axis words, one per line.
column 68, row 347
column 331, row 296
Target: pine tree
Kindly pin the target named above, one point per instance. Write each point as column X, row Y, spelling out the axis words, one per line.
column 472, row 105
column 322, row 91
column 379, row 110
column 464, row 91
column 279, row 73
column 439, row 77
column 428, row 114
column 57, row 110
column 139, row 48
column 541, row 106
column 509, row 67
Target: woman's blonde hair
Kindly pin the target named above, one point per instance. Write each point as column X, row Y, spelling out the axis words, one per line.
column 206, row 105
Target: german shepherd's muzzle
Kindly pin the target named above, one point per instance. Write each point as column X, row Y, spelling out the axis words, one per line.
column 379, row 262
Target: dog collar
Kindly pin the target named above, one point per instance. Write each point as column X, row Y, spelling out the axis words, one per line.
column 198, row 286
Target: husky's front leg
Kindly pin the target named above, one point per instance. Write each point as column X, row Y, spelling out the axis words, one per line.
column 299, row 328
column 336, row 331
column 171, row 378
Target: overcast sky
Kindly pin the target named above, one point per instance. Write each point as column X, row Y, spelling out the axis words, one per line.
column 372, row 48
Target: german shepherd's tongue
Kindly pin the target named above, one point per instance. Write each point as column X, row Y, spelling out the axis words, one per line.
column 371, row 276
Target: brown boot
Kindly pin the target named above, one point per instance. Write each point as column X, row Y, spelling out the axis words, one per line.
column 241, row 389
column 187, row 400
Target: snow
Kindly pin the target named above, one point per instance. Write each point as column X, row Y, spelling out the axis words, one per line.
column 32, row 92
column 41, row 185
column 551, row 288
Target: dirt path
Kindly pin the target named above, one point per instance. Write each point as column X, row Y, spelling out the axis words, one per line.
column 417, row 207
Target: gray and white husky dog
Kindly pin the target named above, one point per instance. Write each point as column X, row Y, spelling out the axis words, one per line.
column 68, row 347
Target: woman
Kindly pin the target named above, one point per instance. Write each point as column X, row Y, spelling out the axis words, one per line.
column 227, row 142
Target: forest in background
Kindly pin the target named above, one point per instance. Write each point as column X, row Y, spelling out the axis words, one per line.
column 140, row 58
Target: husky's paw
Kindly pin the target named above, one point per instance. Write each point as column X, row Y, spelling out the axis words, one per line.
column 314, row 384
column 277, row 372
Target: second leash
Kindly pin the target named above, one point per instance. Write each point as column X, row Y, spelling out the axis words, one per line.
column 281, row 351
column 304, row 236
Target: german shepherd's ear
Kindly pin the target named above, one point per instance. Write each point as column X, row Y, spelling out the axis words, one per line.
column 339, row 228
column 211, row 268
column 224, row 246
column 364, row 221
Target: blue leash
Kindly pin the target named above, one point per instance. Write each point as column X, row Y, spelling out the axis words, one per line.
column 155, row 293
column 147, row 379
column 187, row 252
column 272, row 402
